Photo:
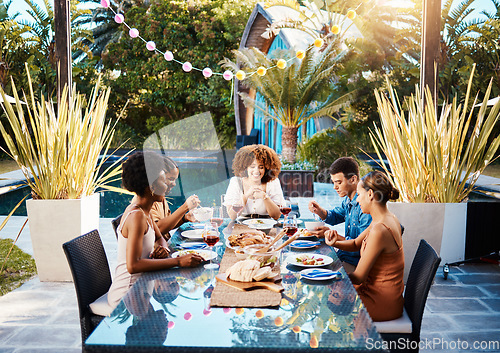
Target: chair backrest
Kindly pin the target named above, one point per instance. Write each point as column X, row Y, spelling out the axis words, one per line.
column 422, row 272
column 115, row 222
column 90, row 269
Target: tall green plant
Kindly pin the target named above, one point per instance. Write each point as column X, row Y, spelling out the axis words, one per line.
column 58, row 151
column 303, row 90
column 435, row 158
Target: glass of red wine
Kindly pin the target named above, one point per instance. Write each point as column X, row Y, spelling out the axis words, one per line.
column 217, row 216
column 290, row 226
column 237, row 208
column 285, row 209
column 211, row 237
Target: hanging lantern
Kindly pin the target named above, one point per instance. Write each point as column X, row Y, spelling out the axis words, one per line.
column 168, row 55
column 134, row 32
column 207, row 72
column 119, row 18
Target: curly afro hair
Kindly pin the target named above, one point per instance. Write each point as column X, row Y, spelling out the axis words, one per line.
column 266, row 155
column 140, row 170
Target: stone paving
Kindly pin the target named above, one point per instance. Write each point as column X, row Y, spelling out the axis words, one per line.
column 42, row 317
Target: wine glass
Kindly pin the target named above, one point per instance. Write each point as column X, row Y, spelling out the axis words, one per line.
column 237, row 208
column 290, row 225
column 217, row 216
column 211, row 237
column 285, row 209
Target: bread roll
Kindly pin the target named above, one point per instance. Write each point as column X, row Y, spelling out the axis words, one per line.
column 243, row 271
column 262, row 273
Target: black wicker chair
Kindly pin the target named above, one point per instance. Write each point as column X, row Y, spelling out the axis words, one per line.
column 115, row 222
column 422, row 272
column 90, row 269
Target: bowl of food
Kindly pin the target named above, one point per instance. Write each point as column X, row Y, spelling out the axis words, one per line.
column 240, row 253
column 313, row 225
column 202, row 214
column 268, row 258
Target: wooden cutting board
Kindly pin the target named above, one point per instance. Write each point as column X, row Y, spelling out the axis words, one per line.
column 246, row 286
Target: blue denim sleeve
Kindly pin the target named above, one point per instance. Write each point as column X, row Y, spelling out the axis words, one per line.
column 336, row 216
column 364, row 221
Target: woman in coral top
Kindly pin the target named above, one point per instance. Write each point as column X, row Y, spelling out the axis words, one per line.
column 378, row 278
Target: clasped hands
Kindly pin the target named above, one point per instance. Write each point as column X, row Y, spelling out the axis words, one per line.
column 255, row 192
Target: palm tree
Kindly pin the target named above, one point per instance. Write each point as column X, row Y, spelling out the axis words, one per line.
column 303, row 90
column 40, row 30
column 104, row 28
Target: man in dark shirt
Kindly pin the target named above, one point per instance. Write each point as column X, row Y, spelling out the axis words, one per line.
column 344, row 173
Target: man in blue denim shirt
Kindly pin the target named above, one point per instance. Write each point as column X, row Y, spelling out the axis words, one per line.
column 344, row 173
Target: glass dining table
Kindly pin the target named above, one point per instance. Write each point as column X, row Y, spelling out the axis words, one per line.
column 167, row 311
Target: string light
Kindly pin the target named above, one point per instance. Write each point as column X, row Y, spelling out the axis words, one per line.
column 207, row 72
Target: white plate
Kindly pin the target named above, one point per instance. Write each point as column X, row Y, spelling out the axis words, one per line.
column 193, row 245
column 228, row 245
column 206, row 254
column 319, row 274
column 193, row 234
column 304, row 244
column 260, row 223
column 292, row 259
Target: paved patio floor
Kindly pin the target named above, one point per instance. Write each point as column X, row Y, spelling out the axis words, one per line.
column 43, row 317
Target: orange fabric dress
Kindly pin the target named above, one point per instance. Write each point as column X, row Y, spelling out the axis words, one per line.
column 382, row 291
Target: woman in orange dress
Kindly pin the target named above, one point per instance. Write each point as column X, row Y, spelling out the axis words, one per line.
column 378, row 278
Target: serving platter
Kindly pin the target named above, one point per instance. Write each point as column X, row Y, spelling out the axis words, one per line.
column 246, row 286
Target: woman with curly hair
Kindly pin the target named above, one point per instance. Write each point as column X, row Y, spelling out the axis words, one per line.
column 255, row 186
column 143, row 173
column 378, row 278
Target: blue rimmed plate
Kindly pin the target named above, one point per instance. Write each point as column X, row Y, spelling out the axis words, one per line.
column 319, row 274
column 304, row 244
column 193, row 245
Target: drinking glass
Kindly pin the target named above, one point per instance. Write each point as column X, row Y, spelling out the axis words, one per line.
column 285, row 209
column 237, row 208
column 211, row 237
column 217, row 216
column 290, row 225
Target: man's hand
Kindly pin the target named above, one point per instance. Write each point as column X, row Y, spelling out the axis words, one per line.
column 320, row 231
column 314, row 207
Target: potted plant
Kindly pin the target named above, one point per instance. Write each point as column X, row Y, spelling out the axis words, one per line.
column 299, row 89
column 60, row 154
column 435, row 161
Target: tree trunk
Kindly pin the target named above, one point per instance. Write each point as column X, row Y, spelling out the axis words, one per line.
column 289, row 143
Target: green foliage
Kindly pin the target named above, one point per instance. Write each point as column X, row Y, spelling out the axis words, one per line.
column 324, row 147
column 160, row 92
column 19, row 267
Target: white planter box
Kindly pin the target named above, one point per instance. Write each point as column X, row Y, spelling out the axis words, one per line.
column 442, row 225
column 54, row 222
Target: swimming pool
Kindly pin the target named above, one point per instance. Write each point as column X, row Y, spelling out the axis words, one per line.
column 207, row 177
